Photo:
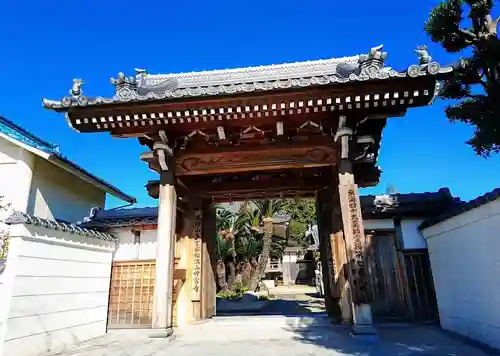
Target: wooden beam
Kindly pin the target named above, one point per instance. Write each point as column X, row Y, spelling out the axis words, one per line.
column 262, row 195
column 273, row 185
column 267, row 158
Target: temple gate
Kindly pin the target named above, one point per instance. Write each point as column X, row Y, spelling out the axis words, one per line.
column 306, row 129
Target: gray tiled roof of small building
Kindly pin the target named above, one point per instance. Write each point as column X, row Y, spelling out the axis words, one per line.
column 462, row 208
column 23, row 218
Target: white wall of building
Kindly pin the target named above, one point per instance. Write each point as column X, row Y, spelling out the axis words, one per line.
column 378, row 224
column 16, row 172
column 33, row 185
column 465, row 261
column 56, row 193
column 412, row 237
column 127, row 250
column 55, row 290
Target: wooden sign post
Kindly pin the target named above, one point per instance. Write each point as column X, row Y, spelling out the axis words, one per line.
column 197, row 257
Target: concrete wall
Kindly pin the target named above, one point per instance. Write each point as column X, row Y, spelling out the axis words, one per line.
column 54, row 290
column 464, row 254
column 127, row 250
column 56, row 193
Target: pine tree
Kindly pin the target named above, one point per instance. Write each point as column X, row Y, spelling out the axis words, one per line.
column 475, row 84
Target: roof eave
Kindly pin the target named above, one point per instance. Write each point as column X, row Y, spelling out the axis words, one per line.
column 73, row 168
column 68, row 103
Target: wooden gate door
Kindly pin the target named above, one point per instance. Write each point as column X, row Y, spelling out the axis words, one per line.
column 421, row 293
column 131, row 294
column 389, row 302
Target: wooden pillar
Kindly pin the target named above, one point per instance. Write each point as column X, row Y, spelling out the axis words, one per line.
column 165, row 252
column 341, row 262
column 209, row 260
column 333, row 255
column 354, row 237
column 184, row 249
column 323, row 214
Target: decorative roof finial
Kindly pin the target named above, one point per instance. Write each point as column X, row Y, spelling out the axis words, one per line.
column 76, row 90
column 139, row 71
column 125, row 87
column 372, row 62
column 140, row 75
column 385, row 202
column 423, row 55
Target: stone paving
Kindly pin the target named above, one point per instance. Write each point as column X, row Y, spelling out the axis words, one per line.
column 263, row 336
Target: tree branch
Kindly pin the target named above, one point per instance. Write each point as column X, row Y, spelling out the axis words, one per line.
column 491, row 25
column 467, row 33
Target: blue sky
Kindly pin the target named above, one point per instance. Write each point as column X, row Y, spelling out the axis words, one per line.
column 46, row 44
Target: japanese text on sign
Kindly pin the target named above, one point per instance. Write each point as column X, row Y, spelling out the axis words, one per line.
column 197, row 256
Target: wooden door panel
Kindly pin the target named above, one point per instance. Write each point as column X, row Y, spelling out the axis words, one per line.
column 422, row 297
column 389, row 302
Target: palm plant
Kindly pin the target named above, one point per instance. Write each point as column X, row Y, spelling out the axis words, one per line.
column 229, row 227
column 222, row 251
column 265, row 210
column 248, row 247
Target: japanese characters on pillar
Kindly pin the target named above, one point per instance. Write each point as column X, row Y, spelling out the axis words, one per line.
column 356, row 243
column 197, row 257
column 352, row 217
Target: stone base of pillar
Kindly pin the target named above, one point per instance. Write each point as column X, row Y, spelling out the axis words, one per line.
column 162, row 333
column 362, row 320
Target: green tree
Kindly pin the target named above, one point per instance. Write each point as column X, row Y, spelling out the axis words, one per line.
column 302, row 213
column 475, row 85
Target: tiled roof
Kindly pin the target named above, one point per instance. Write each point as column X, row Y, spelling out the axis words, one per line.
column 146, row 87
column 23, row 218
column 409, row 205
column 462, row 208
column 20, row 134
column 422, row 205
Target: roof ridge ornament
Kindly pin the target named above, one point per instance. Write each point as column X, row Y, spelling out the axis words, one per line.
column 76, row 90
column 423, row 55
column 372, row 62
column 385, row 202
column 425, row 63
column 125, row 87
column 76, row 93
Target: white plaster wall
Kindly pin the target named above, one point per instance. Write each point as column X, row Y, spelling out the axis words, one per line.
column 127, row 250
column 465, row 261
column 56, row 193
column 290, row 257
column 38, row 187
column 16, row 165
column 58, row 285
column 412, row 237
column 378, row 224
